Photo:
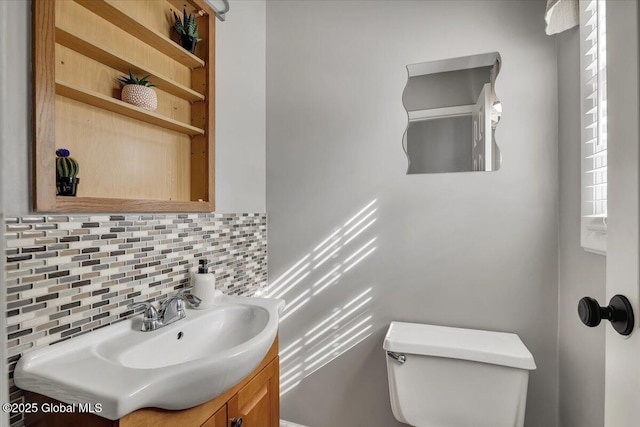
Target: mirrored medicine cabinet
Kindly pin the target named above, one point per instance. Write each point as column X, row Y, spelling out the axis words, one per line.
column 452, row 113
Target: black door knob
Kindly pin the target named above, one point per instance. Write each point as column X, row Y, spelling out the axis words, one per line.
column 619, row 312
column 236, row 422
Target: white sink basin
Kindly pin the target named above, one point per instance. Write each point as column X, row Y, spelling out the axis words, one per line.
column 176, row 367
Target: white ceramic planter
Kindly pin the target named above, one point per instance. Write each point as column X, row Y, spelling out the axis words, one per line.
column 140, row 96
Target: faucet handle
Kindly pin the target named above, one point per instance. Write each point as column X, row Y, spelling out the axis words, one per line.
column 150, row 319
column 184, row 291
column 192, row 300
column 150, row 311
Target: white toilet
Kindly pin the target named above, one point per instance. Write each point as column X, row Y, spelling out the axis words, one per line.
column 452, row 377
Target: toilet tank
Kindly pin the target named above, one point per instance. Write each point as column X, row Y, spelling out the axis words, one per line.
column 453, row 377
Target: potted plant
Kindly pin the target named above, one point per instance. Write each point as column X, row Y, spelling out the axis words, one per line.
column 187, row 29
column 67, row 170
column 138, row 92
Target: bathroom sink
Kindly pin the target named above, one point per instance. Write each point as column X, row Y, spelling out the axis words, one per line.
column 176, row 367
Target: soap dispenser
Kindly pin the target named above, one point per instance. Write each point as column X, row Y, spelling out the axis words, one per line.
column 204, row 285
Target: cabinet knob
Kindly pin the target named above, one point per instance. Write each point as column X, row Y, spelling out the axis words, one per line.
column 236, row 422
column 619, row 312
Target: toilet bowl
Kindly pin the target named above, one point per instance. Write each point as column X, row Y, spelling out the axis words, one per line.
column 452, row 377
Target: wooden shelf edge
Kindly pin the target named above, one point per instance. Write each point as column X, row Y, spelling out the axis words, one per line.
column 204, row 6
column 112, row 13
column 119, row 107
column 98, row 204
column 44, row 102
column 74, row 42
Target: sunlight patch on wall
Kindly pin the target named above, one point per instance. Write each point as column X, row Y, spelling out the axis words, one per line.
column 333, row 336
column 330, row 248
column 315, row 273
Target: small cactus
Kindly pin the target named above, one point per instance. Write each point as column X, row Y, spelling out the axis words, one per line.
column 66, row 167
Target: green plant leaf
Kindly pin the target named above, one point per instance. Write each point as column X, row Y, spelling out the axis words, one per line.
column 184, row 13
column 192, row 29
column 178, row 25
column 133, row 80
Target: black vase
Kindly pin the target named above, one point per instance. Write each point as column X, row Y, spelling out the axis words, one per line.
column 189, row 43
column 67, row 185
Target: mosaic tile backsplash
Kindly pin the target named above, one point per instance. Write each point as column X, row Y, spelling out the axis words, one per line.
column 68, row 275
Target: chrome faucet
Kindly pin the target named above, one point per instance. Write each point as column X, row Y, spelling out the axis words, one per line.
column 170, row 310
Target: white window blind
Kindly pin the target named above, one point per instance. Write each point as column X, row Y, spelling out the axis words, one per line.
column 593, row 62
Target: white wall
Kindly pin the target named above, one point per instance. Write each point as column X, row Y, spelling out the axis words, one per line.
column 581, row 349
column 240, row 109
column 622, row 370
column 4, row 46
column 14, row 134
column 16, row 98
column 472, row 250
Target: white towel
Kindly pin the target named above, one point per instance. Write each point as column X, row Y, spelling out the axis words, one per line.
column 561, row 15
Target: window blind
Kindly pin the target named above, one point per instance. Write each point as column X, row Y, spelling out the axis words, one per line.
column 593, row 61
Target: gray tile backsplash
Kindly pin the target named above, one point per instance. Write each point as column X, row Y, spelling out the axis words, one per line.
column 68, row 275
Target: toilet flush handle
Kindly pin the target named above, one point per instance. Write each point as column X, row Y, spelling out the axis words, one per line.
column 400, row 358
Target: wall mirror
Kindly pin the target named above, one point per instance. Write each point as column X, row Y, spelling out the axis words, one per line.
column 453, row 112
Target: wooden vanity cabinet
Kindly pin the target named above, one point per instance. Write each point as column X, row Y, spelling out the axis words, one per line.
column 256, row 399
column 219, row 419
column 258, row 402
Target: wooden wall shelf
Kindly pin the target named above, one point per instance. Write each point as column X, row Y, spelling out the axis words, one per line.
column 96, row 204
column 73, row 41
column 119, row 17
column 162, row 161
column 116, row 106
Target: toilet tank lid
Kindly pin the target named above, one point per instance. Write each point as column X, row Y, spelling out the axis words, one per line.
column 497, row 348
